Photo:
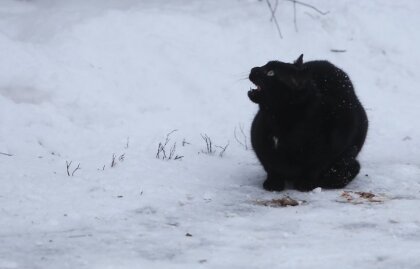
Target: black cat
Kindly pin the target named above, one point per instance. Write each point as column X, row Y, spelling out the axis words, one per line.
column 310, row 125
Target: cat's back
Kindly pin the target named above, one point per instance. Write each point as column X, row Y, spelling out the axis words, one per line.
column 322, row 68
column 330, row 79
column 339, row 97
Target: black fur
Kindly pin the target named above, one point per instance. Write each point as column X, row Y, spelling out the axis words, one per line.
column 310, row 126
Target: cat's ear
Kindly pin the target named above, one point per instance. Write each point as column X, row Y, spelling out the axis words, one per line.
column 299, row 61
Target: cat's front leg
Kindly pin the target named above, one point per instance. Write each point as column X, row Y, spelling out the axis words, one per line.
column 273, row 183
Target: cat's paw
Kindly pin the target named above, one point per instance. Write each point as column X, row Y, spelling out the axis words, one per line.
column 272, row 185
column 305, row 186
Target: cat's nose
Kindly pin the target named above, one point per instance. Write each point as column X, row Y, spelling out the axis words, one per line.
column 255, row 73
column 256, row 70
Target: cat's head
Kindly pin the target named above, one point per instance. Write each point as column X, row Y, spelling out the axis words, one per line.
column 279, row 83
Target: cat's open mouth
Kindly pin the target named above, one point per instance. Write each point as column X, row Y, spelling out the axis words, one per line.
column 256, row 89
column 255, row 94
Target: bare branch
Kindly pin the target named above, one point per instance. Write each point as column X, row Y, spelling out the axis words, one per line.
column 237, row 139
column 172, row 151
column 209, row 144
column 77, row 168
column 127, row 144
column 273, row 12
column 184, row 142
column 244, row 139
column 309, row 6
column 223, row 149
column 161, row 152
column 171, row 132
column 7, row 154
column 113, row 162
column 274, row 17
column 295, row 16
column 68, row 164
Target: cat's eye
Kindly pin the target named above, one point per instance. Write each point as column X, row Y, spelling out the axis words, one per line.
column 270, row 73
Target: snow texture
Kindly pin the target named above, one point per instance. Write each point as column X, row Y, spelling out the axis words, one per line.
column 86, row 81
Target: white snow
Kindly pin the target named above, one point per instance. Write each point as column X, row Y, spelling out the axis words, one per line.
column 83, row 81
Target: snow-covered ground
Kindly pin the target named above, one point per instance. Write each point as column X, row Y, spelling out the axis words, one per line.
column 83, row 81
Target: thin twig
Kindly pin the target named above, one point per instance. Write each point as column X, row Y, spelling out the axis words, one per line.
column 113, row 163
column 171, row 132
column 161, row 152
column 77, row 168
column 209, row 144
column 274, row 18
column 295, row 16
column 223, row 149
column 309, row 6
column 7, row 154
column 245, row 139
column 273, row 12
column 68, row 164
column 184, row 142
column 127, row 144
column 337, row 50
column 172, row 151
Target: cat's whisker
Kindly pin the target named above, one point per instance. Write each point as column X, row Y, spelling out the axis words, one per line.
column 241, row 79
